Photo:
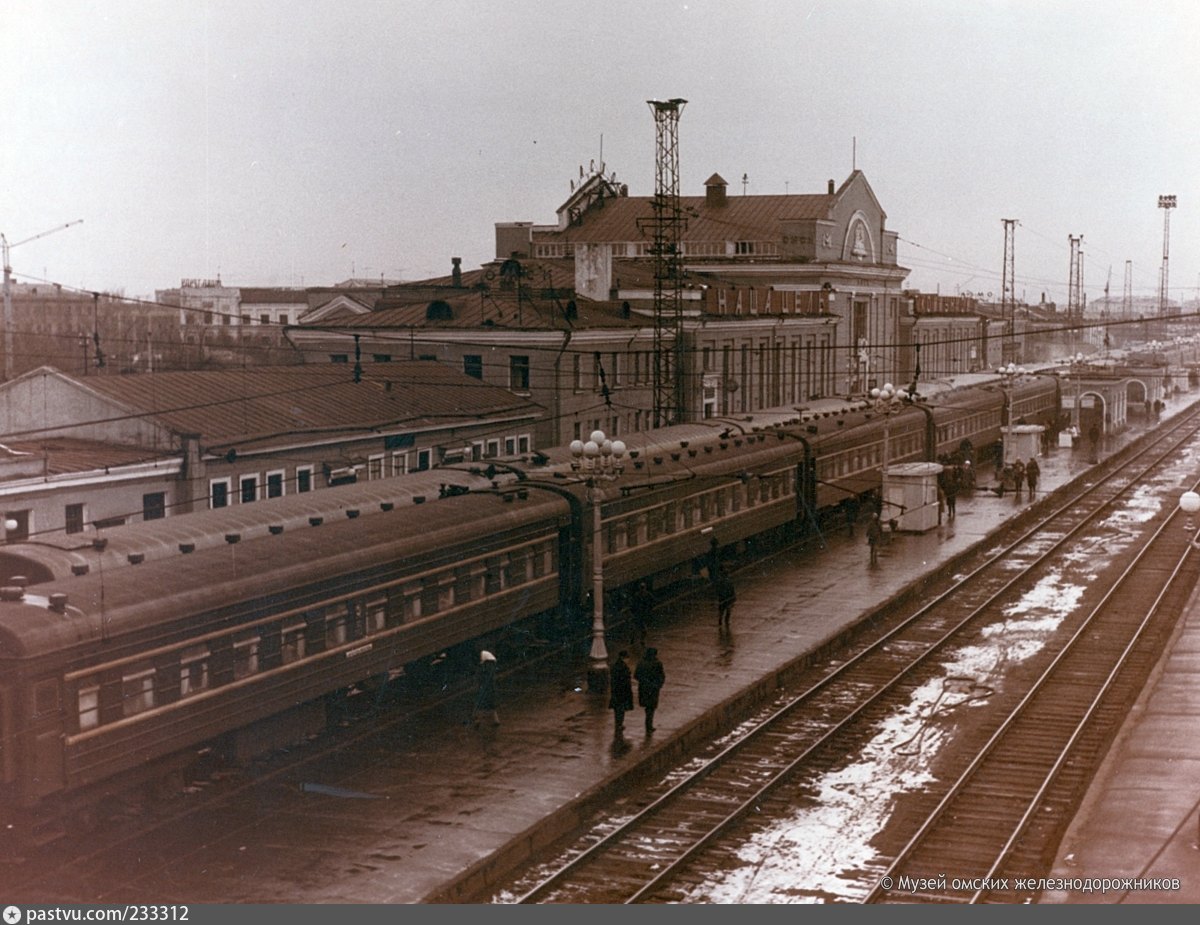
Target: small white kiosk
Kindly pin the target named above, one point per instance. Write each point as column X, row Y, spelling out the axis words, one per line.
column 910, row 495
column 1022, row 441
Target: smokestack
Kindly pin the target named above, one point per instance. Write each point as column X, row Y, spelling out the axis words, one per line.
column 830, row 187
column 456, row 273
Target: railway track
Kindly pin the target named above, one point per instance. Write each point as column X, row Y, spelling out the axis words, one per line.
column 1017, row 745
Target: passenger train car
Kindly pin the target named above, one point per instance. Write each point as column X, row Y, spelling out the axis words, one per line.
column 112, row 668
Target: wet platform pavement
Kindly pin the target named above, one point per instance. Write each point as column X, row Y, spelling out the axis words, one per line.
column 466, row 804
column 553, row 756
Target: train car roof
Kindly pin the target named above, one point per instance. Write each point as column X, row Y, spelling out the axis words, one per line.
column 58, row 555
column 104, row 605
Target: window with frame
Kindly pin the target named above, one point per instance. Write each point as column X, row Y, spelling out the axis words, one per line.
column 493, row 449
column 137, row 692
column 275, row 487
column 154, row 506
column 510, row 446
column 292, row 641
column 218, row 493
column 245, row 655
column 249, row 488
column 74, row 515
column 399, row 463
column 193, row 670
column 89, row 706
column 381, row 358
column 374, row 467
column 424, row 460
column 473, row 365
column 264, row 318
column 518, row 373
column 304, row 476
column 524, row 444
column 339, row 358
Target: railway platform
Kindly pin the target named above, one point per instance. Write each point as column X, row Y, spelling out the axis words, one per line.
column 514, row 788
column 453, row 807
column 553, row 758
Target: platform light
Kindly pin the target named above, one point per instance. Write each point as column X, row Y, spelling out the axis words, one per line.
column 599, row 459
column 1189, row 503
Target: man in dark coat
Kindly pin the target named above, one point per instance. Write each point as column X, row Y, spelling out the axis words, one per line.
column 641, row 608
column 874, row 537
column 650, row 676
column 485, row 696
column 1032, row 471
column 621, row 697
column 726, row 598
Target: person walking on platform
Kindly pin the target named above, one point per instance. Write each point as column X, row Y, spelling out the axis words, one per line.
column 651, row 676
column 1018, row 468
column 726, row 598
column 641, row 606
column 485, row 696
column 874, row 537
column 1032, row 472
column 953, row 482
column 621, row 698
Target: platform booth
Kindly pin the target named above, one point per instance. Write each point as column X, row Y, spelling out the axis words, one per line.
column 910, row 496
column 1022, row 441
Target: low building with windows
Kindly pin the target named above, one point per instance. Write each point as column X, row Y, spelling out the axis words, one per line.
column 79, row 454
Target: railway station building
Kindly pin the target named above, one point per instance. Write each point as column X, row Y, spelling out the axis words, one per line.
column 84, row 453
column 784, row 299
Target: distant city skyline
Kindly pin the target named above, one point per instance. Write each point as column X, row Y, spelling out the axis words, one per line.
column 278, row 144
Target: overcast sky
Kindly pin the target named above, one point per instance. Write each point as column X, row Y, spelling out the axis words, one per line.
column 304, row 142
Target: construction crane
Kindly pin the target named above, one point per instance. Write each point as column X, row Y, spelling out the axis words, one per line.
column 8, row 308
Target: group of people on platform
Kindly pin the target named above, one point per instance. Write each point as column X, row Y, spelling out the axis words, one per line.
column 1016, row 475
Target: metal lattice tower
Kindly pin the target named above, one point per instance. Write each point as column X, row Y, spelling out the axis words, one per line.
column 1008, row 300
column 1127, row 295
column 1075, row 285
column 666, row 231
column 1166, row 203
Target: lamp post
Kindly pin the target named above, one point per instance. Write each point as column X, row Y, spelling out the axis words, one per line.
column 1008, row 375
column 600, row 460
column 887, row 401
column 1189, row 503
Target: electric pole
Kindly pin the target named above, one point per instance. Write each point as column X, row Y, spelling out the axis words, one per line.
column 1008, row 304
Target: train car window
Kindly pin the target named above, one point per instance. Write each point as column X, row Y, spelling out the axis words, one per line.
column 245, row 655
column 479, row 575
column 463, row 583
column 291, row 642
column 89, row 707
column 445, row 592
column 376, row 614
column 137, row 691
column 335, row 630
column 493, row 577
column 193, row 670
column 687, row 512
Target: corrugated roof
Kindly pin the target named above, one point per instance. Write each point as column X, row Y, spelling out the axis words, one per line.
column 64, row 454
column 492, row 310
column 266, row 402
column 741, row 218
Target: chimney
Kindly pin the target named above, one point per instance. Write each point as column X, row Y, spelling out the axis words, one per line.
column 456, row 273
column 830, row 187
